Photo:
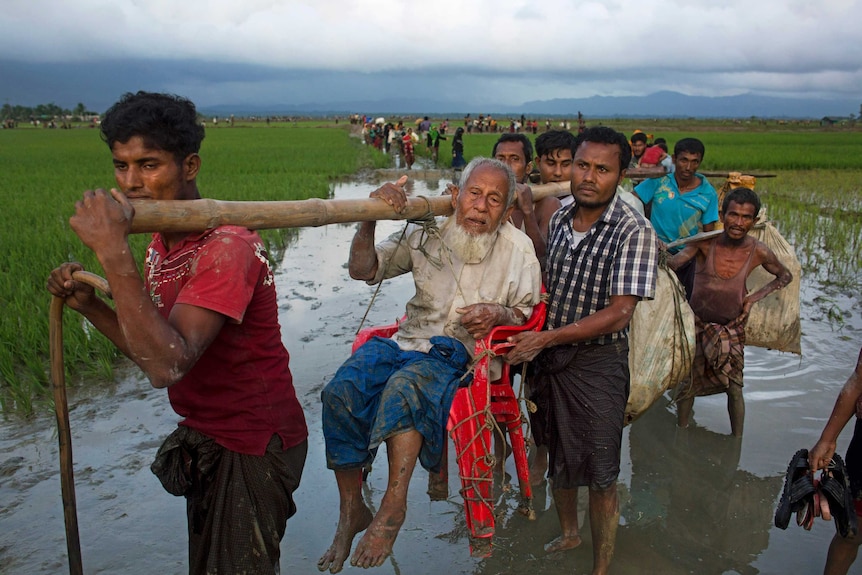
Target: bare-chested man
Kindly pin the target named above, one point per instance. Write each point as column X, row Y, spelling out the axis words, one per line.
column 721, row 304
column 516, row 151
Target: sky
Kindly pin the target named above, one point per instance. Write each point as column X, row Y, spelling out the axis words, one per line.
column 478, row 52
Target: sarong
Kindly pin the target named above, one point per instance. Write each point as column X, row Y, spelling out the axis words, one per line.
column 581, row 393
column 237, row 504
column 381, row 391
column 718, row 359
column 853, row 463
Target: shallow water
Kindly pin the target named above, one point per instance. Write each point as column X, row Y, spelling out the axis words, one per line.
column 693, row 501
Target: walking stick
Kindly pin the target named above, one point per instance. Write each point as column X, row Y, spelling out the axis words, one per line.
column 61, row 407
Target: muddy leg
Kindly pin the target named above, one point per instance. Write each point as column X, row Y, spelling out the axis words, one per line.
column 736, row 409
column 502, row 450
column 353, row 517
column 604, row 520
column 842, row 554
column 566, row 502
column 438, row 483
column 539, row 465
column 376, row 545
column 683, row 412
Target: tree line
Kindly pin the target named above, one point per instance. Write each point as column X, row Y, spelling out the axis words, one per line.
column 42, row 112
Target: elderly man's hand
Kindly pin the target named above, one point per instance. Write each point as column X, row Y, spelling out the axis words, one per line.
column 393, row 194
column 480, row 318
column 528, row 344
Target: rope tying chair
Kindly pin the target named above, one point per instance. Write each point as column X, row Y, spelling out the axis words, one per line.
column 477, row 411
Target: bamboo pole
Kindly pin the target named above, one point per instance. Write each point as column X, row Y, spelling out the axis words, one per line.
column 199, row 215
column 64, row 433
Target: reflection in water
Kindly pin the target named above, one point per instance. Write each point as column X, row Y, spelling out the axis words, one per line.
column 690, row 499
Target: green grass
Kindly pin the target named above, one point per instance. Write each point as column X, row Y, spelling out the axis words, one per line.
column 45, row 173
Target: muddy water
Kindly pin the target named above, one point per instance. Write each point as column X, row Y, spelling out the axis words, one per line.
column 694, row 501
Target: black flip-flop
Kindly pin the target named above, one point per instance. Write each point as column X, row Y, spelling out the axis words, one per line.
column 835, row 485
column 798, row 489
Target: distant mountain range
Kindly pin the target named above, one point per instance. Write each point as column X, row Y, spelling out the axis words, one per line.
column 657, row 105
column 245, row 89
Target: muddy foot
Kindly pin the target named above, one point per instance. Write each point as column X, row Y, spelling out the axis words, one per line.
column 563, row 543
column 376, row 545
column 349, row 525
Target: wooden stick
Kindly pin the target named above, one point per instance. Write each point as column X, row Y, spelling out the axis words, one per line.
column 198, row 215
column 64, row 437
column 61, row 409
column 706, row 235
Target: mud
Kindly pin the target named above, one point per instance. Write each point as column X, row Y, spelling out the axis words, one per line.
column 692, row 501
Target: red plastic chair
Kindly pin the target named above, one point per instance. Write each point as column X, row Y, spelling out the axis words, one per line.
column 472, row 431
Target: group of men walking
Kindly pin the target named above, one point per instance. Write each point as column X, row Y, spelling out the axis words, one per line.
column 202, row 321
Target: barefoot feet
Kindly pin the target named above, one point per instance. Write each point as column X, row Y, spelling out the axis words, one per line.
column 562, row 543
column 350, row 522
column 376, row 545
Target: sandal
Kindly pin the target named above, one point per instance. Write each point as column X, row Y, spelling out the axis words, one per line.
column 835, row 487
column 798, row 492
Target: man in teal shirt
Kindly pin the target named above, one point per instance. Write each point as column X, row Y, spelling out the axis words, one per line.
column 681, row 204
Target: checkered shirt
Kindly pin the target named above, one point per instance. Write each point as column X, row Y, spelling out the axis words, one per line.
column 618, row 256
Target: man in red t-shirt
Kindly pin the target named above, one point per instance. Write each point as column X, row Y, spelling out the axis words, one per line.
column 204, row 324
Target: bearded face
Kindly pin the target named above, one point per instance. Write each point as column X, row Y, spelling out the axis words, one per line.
column 470, row 247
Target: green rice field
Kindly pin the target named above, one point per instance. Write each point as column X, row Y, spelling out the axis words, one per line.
column 815, row 200
column 46, row 171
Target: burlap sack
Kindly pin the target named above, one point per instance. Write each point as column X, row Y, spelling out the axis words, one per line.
column 661, row 343
column 774, row 321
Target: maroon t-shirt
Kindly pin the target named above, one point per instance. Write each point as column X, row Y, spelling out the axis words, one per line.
column 240, row 392
column 652, row 155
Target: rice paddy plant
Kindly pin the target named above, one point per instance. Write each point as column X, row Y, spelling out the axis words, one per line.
column 45, row 173
column 820, row 213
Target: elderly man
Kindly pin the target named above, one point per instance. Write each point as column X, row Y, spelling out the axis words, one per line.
column 721, row 305
column 601, row 261
column 478, row 272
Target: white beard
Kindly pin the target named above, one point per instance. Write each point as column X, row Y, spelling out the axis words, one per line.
column 467, row 247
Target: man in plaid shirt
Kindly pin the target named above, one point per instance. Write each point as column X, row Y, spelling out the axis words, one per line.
column 602, row 258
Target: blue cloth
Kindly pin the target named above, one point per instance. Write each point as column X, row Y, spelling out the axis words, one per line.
column 675, row 215
column 381, row 391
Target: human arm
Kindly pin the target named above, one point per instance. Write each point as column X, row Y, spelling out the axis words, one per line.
column 165, row 349
column 610, row 319
column 525, row 206
column 709, row 218
column 770, row 263
column 362, row 264
column 676, row 261
column 82, row 298
column 844, row 408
